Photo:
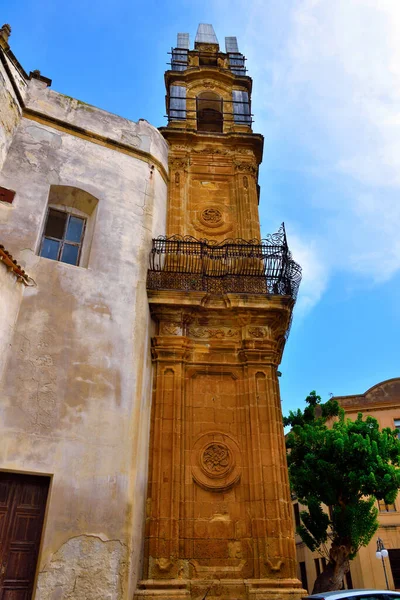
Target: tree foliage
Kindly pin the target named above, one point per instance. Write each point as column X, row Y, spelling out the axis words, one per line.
column 344, row 466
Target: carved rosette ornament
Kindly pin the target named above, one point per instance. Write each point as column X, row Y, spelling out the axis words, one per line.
column 211, row 216
column 216, row 461
column 258, row 332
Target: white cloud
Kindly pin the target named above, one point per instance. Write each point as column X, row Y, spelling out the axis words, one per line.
column 327, row 81
column 315, row 273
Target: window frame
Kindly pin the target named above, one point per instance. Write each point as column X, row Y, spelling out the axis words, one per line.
column 383, row 507
column 62, row 241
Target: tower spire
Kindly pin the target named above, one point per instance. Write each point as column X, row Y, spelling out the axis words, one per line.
column 206, row 34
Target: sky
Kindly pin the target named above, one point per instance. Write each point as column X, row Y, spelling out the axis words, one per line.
column 326, row 97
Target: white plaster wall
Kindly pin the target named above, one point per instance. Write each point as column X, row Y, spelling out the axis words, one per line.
column 71, row 111
column 76, row 393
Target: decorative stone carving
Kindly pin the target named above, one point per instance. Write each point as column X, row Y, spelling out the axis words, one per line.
column 211, row 215
column 208, row 84
column 245, row 182
column 210, row 332
column 212, row 150
column 178, row 163
column 164, row 564
column 170, row 329
column 235, row 549
column 250, row 168
column 258, row 332
column 216, row 461
column 206, row 48
column 177, row 178
column 274, row 567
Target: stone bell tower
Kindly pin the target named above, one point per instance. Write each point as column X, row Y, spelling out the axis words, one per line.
column 218, row 511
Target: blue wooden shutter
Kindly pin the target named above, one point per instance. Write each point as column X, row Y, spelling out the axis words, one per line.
column 241, row 107
column 179, row 60
column 177, row 102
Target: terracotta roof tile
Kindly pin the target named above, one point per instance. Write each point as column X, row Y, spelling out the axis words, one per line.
column 8, row 261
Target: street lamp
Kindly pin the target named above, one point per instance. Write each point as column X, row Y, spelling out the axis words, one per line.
column 382, row 553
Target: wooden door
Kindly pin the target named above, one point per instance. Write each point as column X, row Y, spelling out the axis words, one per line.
column 22, row 506
column 394, row 558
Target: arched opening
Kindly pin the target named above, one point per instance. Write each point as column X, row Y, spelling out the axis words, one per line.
column 209, row 112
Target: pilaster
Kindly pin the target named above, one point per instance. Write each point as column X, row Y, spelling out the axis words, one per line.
column 219, row 508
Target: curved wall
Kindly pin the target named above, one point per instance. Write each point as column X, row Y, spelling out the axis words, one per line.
column 75, row 393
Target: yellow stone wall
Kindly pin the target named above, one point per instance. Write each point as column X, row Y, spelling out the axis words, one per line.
column 219, row 520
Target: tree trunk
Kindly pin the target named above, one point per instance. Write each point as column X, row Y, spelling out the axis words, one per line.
column 332, row 576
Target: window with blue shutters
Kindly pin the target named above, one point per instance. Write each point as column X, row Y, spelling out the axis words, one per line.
column 241, row 107
column 177, row 102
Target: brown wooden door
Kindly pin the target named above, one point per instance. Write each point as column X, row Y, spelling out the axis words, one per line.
column 22, row 505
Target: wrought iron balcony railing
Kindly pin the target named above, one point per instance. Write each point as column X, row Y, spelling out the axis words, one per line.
column 232, row 266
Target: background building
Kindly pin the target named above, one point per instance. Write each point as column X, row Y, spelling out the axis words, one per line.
column 366, row 571
column 83, row 193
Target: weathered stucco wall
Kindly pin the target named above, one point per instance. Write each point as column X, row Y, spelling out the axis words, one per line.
column 75, row 395
column 10, row 107
column 10, row 300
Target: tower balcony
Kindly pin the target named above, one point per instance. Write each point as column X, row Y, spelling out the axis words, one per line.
column 184, row 263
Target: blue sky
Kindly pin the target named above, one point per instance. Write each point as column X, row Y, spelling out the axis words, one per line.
column 326, row 97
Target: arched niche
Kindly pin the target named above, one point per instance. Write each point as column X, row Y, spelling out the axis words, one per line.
column 68, row 206
column 209, row 111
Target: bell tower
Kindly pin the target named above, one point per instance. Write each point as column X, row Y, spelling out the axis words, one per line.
column 219, row 519
column 214, row 155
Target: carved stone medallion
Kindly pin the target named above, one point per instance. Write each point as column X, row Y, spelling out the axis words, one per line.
column 216, row 461
column 211, row 217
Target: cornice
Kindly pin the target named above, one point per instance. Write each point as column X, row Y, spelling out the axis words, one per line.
column 197, row 142
column 197, row 73
column 70, row 128
column 95, row 138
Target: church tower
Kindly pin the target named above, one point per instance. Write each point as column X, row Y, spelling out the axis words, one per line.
column 218, row 510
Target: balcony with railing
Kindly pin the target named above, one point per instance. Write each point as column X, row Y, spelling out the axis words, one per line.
column 232, row 266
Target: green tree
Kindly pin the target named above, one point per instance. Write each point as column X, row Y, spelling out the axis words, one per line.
column 345, row 465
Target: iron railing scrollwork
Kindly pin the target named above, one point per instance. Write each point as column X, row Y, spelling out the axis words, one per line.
column 231, row 266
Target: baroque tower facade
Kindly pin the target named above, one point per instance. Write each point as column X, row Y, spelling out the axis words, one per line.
column 113, row 371
column 218, row 511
